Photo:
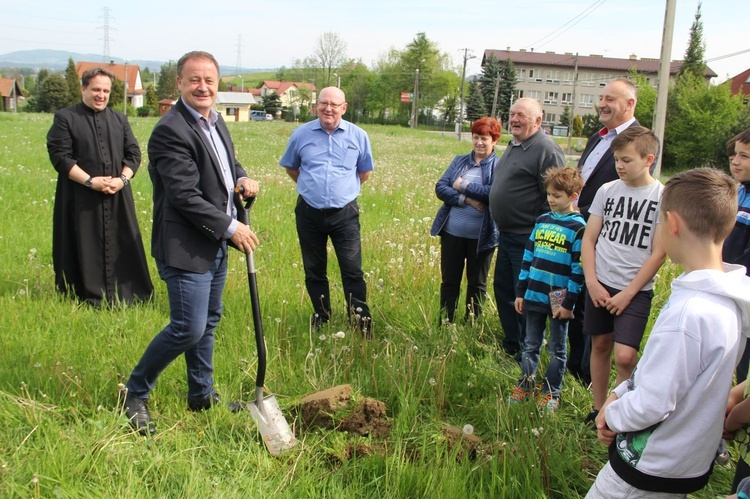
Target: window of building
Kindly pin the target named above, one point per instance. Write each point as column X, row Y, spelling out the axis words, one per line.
column 567, row 98
column 552, row 76
column 519, row 94
column 535, row 75
column 587, row 79
column 568, row 77
column 534, row 94
column 521, row 74
column 550, row 97
column 586, row 100
column 549, row 118
column 231, row 111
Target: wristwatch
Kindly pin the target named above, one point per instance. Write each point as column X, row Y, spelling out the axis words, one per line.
column 88, row 183
column 125, row 180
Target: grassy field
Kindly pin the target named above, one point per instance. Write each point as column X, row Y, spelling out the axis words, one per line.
column 61, row 364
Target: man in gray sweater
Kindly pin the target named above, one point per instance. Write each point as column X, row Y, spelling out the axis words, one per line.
column 517, row 198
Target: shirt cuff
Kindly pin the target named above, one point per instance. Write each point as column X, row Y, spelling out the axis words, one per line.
column 231, row 229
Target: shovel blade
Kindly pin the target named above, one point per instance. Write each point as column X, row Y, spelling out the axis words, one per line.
column 272, row 425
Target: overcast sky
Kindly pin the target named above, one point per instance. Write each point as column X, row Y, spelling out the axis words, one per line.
column 273, row 34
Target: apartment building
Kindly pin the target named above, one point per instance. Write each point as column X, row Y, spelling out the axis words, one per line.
column 550, row 78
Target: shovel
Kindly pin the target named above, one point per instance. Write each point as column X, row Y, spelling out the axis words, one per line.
column 273, row 427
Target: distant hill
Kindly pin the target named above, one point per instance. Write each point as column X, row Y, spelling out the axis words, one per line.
column 58, row 60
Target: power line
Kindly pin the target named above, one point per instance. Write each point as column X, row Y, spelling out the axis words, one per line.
column 588, row 10
column 727, row 56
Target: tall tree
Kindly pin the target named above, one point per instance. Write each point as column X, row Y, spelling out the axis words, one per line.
column 694, row 62
column 644, row 109
column 73, row 82
column 54, row 95
column 701, row 118
column 167, row 87
column 330, row 55
column 152, row 101
column 116, row 95
column 489, row 81
column 507, row 89
column 437, row 75
column 475, row 107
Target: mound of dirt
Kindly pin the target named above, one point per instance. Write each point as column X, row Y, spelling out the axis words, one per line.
column 369, row 418
column 317, row 409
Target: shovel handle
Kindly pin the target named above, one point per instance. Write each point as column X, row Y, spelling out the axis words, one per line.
column 260, row 341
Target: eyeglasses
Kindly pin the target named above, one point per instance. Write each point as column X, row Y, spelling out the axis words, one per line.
column 330, row 104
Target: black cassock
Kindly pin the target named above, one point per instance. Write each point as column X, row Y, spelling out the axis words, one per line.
column 97, row 248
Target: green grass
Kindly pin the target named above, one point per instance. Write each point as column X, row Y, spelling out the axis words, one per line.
column 60, row 364
column 250, row 80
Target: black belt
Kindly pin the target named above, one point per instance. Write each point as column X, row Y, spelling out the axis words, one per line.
column 325, row 211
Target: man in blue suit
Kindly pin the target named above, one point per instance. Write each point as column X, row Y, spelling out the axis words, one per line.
column 616, row 110
column 194, row 172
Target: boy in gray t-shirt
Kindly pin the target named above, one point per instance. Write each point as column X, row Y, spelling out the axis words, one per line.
column 621, row 253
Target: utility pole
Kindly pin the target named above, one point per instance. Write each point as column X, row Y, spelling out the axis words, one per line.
column 573, row 107
column 460, row 120
column 660, row 108
column 125, row 90
column 415, row 101
column 497, row 91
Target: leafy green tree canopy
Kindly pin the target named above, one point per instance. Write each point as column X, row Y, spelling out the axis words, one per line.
column 73, row 83
column 167, row 87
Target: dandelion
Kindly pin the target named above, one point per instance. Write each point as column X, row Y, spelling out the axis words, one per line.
column 278, row 320
column 322, row 337
column 535, row 432
column 310, row 355
column 374, row 355
column 415, row 347
column 318, row 351
column 433, row 382
column 468, row 429
column 340, row 335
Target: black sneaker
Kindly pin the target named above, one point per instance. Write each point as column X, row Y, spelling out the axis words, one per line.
column 591, row 418
column 137, row 412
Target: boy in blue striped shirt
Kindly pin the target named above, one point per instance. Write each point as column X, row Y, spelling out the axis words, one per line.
column 550, row 280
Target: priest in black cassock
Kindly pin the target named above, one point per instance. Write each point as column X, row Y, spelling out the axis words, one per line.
column 97, row 249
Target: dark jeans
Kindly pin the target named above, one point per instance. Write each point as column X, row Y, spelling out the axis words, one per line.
column 195, row 310
column 507, row 267
column 454, row 251
column 580, row 344
column 536, row 325
column 314, row 227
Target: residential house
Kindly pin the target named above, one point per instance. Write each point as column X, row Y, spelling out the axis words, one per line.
column 740, row 84
column 131, row 72
column 290, row 92
column 10, row 92
column 549, row 78
column 234, row 106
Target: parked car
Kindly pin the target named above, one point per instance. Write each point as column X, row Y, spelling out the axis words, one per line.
column 260, row 116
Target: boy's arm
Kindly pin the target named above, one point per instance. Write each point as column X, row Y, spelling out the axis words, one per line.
column 596, row 291
column 738, row 417
column 606, row 436
column 621, row 300
column 666, row 372
column 738, row 409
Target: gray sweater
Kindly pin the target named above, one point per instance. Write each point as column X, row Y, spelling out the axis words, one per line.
column 518, row 196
